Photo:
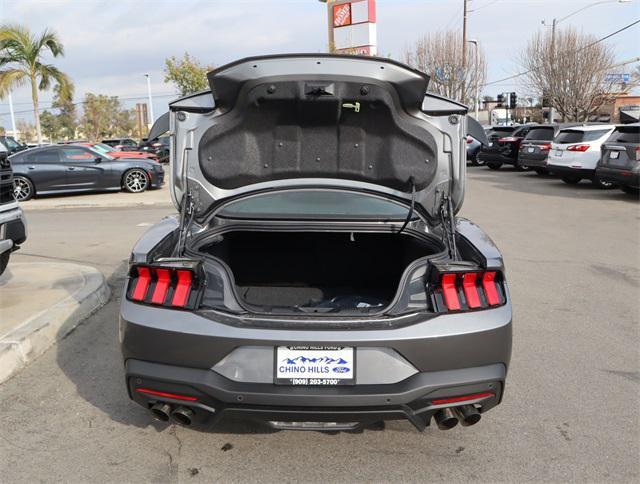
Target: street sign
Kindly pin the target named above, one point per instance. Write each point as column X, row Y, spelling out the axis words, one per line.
column 617, row 77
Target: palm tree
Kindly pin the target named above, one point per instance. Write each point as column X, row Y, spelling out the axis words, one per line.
column 21, row 63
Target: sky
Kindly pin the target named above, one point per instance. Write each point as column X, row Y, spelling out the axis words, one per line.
column 110, row 45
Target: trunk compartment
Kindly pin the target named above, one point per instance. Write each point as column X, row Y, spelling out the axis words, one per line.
column 318, row 272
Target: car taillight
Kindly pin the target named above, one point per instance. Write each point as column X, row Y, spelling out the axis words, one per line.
column 545, row 147
column 469, row 140
column 467, row 290
column 176, row 284
column 637, row 153
column 507, row 139
column 578, row 148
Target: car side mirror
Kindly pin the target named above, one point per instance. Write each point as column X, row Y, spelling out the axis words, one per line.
column 98, row 159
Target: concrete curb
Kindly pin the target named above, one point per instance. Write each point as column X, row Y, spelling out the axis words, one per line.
column 37, row 334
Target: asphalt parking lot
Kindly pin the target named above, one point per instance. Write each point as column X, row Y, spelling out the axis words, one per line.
column 571, row 407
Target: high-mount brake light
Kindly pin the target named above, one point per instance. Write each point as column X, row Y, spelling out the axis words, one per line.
column 466, row 290
column 508, row 139
column 165, row 285
column 580, row 148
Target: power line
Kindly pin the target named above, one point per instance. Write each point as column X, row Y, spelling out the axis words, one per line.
column 567, row 53
column 78, row 103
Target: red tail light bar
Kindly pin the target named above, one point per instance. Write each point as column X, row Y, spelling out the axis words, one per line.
column 466, row 290
column 545, row 147
column 173, row 284
column 578, row 148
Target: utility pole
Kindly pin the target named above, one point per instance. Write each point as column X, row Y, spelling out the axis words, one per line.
column 13, row 118
column 464, row 49
column 552, row 110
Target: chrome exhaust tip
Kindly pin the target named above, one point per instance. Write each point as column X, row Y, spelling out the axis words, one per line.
column 468, row 415
column 161, row 411
column 182, row 415
column 446, row 419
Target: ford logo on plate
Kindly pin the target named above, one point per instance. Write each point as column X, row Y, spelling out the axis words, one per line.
column 341, row 369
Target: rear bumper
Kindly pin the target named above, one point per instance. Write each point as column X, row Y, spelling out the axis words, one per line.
column 219, row 398
column 619, row 176
column 496, row 157
column 561, row 171
column 175, row 352
column 13, row 229
column 533, row 161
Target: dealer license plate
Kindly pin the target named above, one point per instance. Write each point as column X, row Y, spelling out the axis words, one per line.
column 314, row 365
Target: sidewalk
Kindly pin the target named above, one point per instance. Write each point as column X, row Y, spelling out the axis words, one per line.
column 40, row 303
column 156, row 198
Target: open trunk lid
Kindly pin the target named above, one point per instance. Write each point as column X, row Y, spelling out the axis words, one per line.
column 314, row 120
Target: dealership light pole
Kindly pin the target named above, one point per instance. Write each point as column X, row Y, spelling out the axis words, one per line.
column 13, row 118
column 475, row 42
column 553, row 33
column 150, row 99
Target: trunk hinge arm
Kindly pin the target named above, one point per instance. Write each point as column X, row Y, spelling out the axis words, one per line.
column 411, row 208
column 187, row 214
column 448, row 226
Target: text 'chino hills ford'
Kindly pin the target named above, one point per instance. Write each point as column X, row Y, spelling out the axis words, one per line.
column 317, row 276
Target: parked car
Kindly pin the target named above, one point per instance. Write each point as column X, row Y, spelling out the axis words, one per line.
column 70, row 168
column 504, row 143
column 620, row 158
column 13, row 226
column 317, row 276
column 575, row 153
column 108, row 150
column 534, row 148
column 12, row 146
column 122, row 144
column 158, row 146
column 473, row 148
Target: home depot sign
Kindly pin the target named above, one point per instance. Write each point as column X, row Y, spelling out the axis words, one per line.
column 352, row 26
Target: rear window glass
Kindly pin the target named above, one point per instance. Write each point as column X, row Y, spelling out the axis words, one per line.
column 315, row 203
column 521, row 131
column 577, row 136
column 540, row 134
column 626, row 135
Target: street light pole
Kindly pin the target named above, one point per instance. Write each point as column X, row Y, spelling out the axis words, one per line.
column 477, row 75
column 150, row 98
column 13, row 118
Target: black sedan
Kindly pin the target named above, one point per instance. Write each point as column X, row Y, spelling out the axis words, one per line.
column 69, row 168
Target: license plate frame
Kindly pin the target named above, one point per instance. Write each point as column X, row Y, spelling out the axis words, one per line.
column 333, row 365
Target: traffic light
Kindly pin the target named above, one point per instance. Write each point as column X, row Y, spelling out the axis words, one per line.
column 500, row 98
column 513, row 99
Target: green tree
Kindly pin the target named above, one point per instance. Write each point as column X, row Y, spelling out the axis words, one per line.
column 50, row 125
column 186, row 74
column 104, row 117
column 67, row 117
column 21, row 62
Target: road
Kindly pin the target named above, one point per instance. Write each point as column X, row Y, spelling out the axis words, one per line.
column 570, row 411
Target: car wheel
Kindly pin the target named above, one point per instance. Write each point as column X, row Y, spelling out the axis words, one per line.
column 494, row 165
column 571, row 179
column 476, row 159
column 604, row 184
column 4, row 261
column 23, row 188
column 541, row 171
column 630, row 190
column 135, row 181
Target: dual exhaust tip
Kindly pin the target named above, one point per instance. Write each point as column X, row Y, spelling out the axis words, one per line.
column 164, row 412
column 447, row 418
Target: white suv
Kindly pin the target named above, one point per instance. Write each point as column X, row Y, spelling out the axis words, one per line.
column 575, row 153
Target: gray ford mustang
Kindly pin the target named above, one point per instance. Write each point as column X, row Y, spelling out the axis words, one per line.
column 316, row 275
